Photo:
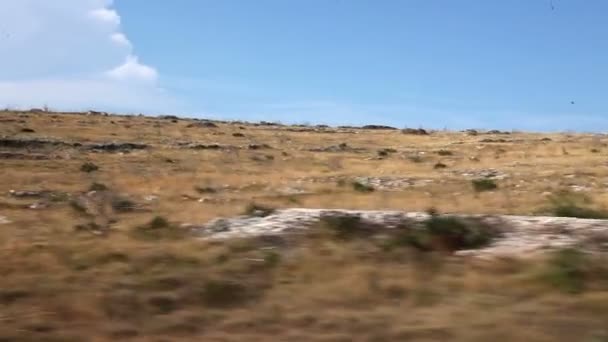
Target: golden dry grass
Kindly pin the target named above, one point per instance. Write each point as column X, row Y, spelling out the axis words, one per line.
column 59, row 284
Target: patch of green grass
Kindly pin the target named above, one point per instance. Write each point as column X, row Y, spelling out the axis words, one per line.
column 484, row 184
column 566, row 270
column 568, row 204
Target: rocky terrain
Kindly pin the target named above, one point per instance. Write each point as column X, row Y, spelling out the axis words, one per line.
column 130, row 227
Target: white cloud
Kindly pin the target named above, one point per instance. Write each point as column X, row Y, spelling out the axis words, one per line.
column 82, row 94
column 70, row 54
column 120, row 39
column 133, row 70
column 106, row 15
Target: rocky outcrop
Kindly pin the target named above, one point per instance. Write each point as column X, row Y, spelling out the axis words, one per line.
column 520, row 235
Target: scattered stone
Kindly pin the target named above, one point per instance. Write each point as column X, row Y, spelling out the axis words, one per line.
column 116, row 147
column 4, row 220
column 378, row 127
column 391, row 183
column 47, row 195
column 23, row 156
column 343, row 147
column 481, row 173
column 151, row 198
column 414, row 131
column 213, row 146
column 579, row 188
column 96, row 113
column 38, row 205
column 32, row 143
column 27, row 193
column 263, row 158
column 266, row 123
column 202, row 124
column 27, row 130
column 168, row 117
column 489, row 140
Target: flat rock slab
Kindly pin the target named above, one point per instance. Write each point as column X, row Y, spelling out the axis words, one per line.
column 520, row 234
column 4, row 220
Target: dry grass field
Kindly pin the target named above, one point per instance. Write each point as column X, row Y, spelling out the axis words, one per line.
column 78, row 193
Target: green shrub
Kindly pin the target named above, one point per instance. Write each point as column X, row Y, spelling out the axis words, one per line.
column 484, row 184
column 444, row 233
column 98, row 187
column 158, row 222
column 361, row 187
column 386, row 152
column 454, row 233
column 205, row 189
column 566, row 269
column 343, row 226
column 122, row 204
column 89, row 167
column 221, row 293
column 158, row 228
column 445, row 153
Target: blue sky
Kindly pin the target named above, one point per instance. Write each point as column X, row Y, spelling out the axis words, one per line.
column 511, row 64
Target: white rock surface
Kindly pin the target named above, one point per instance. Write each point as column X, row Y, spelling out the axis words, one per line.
column 520, row 234
column 4, row 220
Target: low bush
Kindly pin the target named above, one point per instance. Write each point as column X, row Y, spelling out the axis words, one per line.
column 484, row 184
column 158, row 228
column 343, row 226
column 98, row 187
column 445, row 153
column 89, row 167
column 362, row 187
column 444, row 233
